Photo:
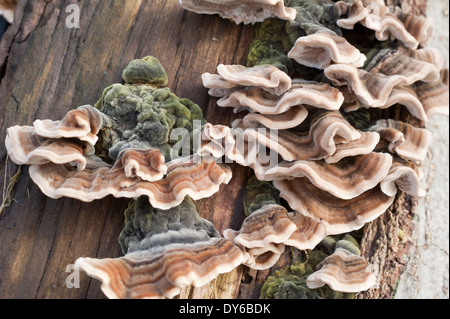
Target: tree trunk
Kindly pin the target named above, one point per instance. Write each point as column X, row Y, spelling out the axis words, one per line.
column 47, row 69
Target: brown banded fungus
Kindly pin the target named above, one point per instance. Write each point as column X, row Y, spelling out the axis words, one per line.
column 269, row 227
column 241, row 11
column 409, row 142
column 99, row 179
column 388, row 78
column 321, row 49
column 345, row 270
column 340, row 160
column 411, row 30
column 234, row 77
column 317, row 98
column 295, row 281
column 124, row 148
column 132, row 134
column 164, row 252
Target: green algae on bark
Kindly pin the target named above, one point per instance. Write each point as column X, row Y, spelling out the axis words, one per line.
column 258, row 194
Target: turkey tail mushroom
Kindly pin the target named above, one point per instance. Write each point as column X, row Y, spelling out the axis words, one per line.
column 339, row 216
column 411, row 30
column 405, row 140
column 99, row 179
column 233, row 77
column 26, row 147
column 241, row 11
column 165, row 251
column 83, row 123
column 321, row 49
column 318, row 95
column 143, row 275
column 344, row 271
column 346, row 179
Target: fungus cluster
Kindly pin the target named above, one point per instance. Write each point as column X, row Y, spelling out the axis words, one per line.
column 121, row 148
column 336, row 264
column 247, row 12
column 124, row 147
column 165, row 250
column 316, row 131
column 337, row 158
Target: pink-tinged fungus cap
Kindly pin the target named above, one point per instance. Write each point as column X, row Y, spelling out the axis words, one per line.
column 241, row 11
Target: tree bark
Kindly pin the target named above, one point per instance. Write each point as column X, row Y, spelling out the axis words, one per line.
column 47, row 69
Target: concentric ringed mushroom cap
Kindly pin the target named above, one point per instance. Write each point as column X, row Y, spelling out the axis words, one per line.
column 372, row 89
column 148, row 165
column 345, row 270
column 409, row 29
column 404, row 177
column 337, row 215
column 165, row 252
column 83, row 123
column 167, row 273
column 346, row 179
column 241, row 11
column 292, row 118
column 434, row 96
column 405, row 140
column 309, row 232
column 321, row 49
column 25, row 147
column 270, row 224
column 99, row 179
column 232, row 77
column 319, row 95
column 330, row 137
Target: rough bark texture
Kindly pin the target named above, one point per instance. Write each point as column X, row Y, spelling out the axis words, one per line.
column 47, row 69
column 427, row 273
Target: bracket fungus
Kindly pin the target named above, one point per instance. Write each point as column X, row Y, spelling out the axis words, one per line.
column 241, row 11
column 234, row 77
column 339, row 159
column 164, row 252
column 409, row 142
column 385, row 73
column 321, row 49
column 121, row 148
column 262, row 235
column 338, row 215
column 345, row 270
column 269, row 227
column 291, row 281
column 26, row 147
column 99, row 179
column 125, row 147
column 300, row 93
column 316, row 131
column 329, row 137
column 409, row 29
